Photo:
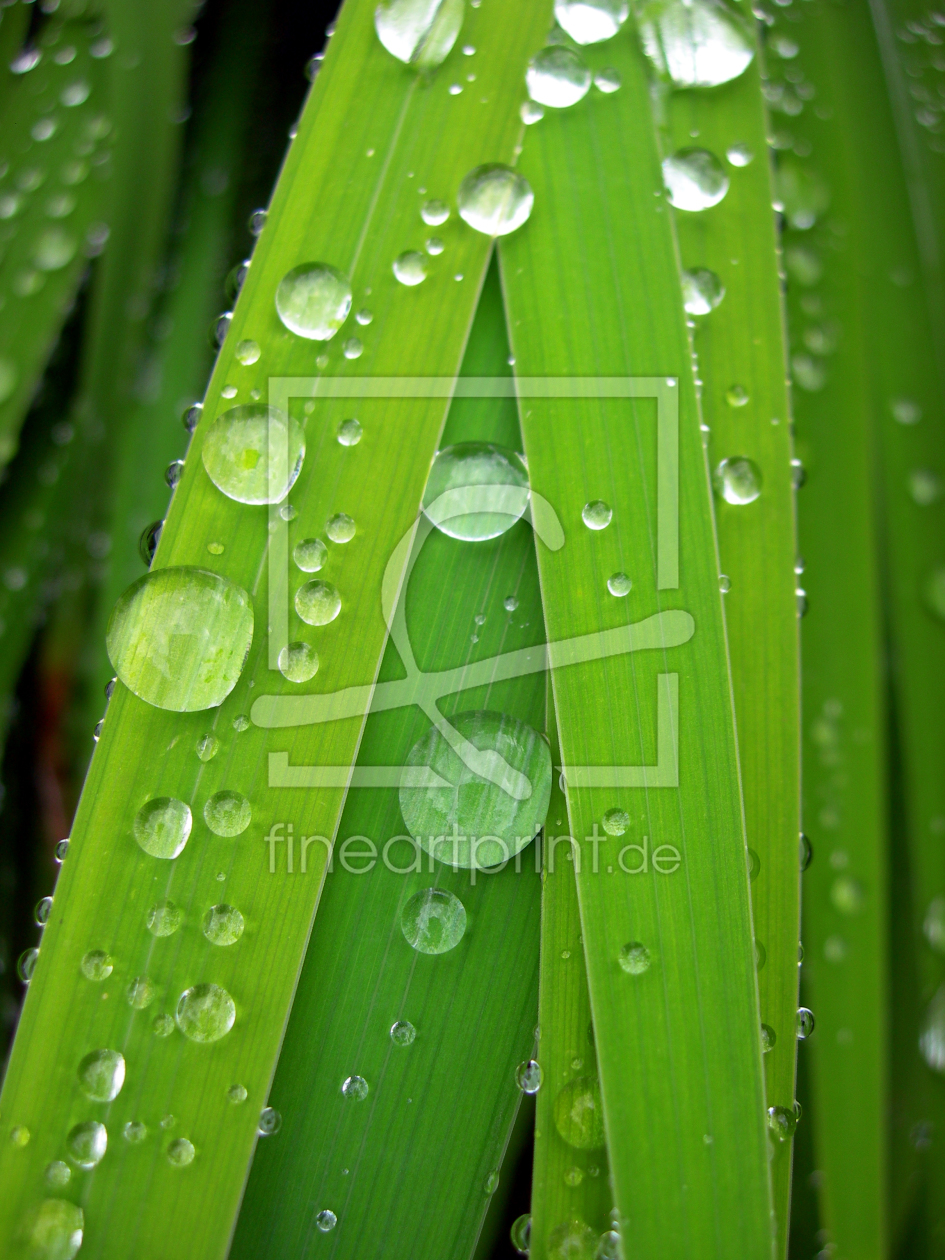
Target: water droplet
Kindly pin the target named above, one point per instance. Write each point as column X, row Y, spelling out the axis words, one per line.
column 102, row 1074
column 737, row 396
column 494, row 200
column 433, row 921
column 702, row 291
column 236, row 453
column 493, row 806
column 247, row 352
column 695, row 179
column 608, row 80
column 520, row 1233
column 341, row 528
column 313, row 301
column 223, row 925
column 610, row 1246
column 310, row 554
column 96, row 965
column 768, row 1038
column 934, row 924
column 725, row 583
column 227, row 813
column 419, row 32
column 148, row 542
column 353, row 348
column 809, row 374
column 615, row 822
column 270, row 1122
column 164, row 918
column 739, row 155
column 56, row 1227
column 738, row 480
column 174, row 472
column 168, row 1122
column 635, row 958
column 619, row 585
column 205, row 1012
column 42, row 911
column 317, row 603
column 140, row 993
column 476, row 491
column 573, row 1176
column 510, row 603
column 806, row 852
column 54, row 249
column 591, row 21
column 935, row 592
column 237, row 1094
column 326, row 1220
column 754, row 865
column 240, row 722
column 135, row 1132
column 207, row 746
column 491, row 1183
column 180, row 1153
column 531, row 112
column 178, row 638
column 163, row 1025
column 597, row 514
column 434, row 246
column 298, row 662
column 802, row 194
column 761, row 956
column 905, row 410
column 557, row 77
column 87, row 1143
column 356, row 1088
column 847, row 895
column 925, row 486
column 403, row 1033
column 410, row 268
column 805, row 1023
column 782, row 1121
column 57, row 1174
column 932, row 1036
column 800, row 596
column 162, row 827
column 695, row 43
column 565, row 954
column 434, row 212
column 528, row 1077
column 579, row 1114
column 191, row 416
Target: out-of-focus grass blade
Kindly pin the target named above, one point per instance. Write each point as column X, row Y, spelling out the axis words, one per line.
column 825, row 106
column 14, row 21
column 371, row 135
column 594, row 289
column 53, row 193
column 390, row 1168
column 741, row 362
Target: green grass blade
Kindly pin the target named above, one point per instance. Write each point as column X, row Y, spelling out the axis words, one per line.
column 391, row 1168
column 594, row 289
column 845, row 795
column 322, row 209
column 13, row 26
column 740, row 348
column 51, row 201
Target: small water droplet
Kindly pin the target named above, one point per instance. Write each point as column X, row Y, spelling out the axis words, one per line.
column 140, row 993
column 615, row 822
column 87, row 1143
column 164, row 918
column 403, row 1033
column 565, row 954
column 434, row 212
column 434, row 246
column 257, row 221
column 310, row 554
column 579, row 1114
column 905, row 410
column 55, row 1230
column 528, row 1077
column 163, row 1025
column 148, row 542
column 801, row 194
column 491, row 1183
column 326, row 1220
column 353, row 348
column 494, row 200
column 768, row 1038
column 410, row 268
column 270, row 1122
column 597, row 514
column 102, row 1074
column 695, row 43
column 635, row 958
column 162, row 827
column 237, row 1094
column 205, row 1012
column 313, row 301
column 932, row 1035
column 476, row 491
column 317, row 603
column 702, row 291
column 168, row 1122
column 510, row 603
column 531, row 112
column 694, row 179
column 223, row 925
column 805, row 1023
column 754, row 865
column 806, row 852
column 236, row 453
column 181, row 1152
column 341, row 528
column 174, row 472
column 608, row 80
column 619, row 585
column 761, row 956
column 847, row 895
column 247, row 352
column 520, row 1233
column 573, row 1176
column 207, row 746
column 925, row 486
column 240, row 722
column 215, row 548
column 591, row 21
column 725, row 583
column 321, row 362
column 782, row 1121
column 135, row 1132
column 57, row 1174
column 298, row 662
column 96, row 965
column 62, row 848
column 227, row 813
column 557, row 77
column 42, row 911
column 349, row 432
column 739, row 155
column 433, row 921
column 418, row 32
column 933, row 925
column 738, row 480
column 355, row 1087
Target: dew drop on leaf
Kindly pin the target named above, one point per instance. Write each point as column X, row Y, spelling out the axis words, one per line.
column 164, row 918
column 579, row 1114
column 702, row 291
column 528, row 1076
column 223, row 925
column 557, row 77
column 419, row 32
column 317, row 603
column 227, row 813
column 349, row 432
column 355, row 1088
column 181, row 1152
column 55, row 1230
column 694, row 179
column 597, row 514
column 162, row 826
column 313, row 301
column 298, row 662
column 410, row 268
column 205, row 1013
column 87, row 1143
column 494, row 200
column 102, row 1074
column 403, row 1033
column 695, row 43
column 96, row 965
column 254, row 453
column 591, row 21
column 433, row 921
column 476, row 491
column 738, row 480
column 270, row 1122
column 634, row 958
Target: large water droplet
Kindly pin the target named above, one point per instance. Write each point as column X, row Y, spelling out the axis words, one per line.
column 932, row 1036
column 236, row 453
column 695, row 43
column 227, row 813
column 433, row 921
column 87, row 1143
column 619, row 585
column 695, row 179
column 164, row 918
column 341, row 528
column 313, row 301
column 738, row 480
column 55, row 1230
column 801, row 193
column 317, row 603
column 181, row 1152
column 102, row 1074
column 356, row 1088
column 403, row 1033
column 495, row 200
column 410, row 268
column 494, row 806
column 591, row 21
column 298, row 662
column 558, row 77
column 162, row 826
column 634, row 958
column 528, row 1077
column 419, row 32
column 476, row 491
column 205, row 1012
column 223, row 925
column 702, row 291
column 178, row 638
column 579, row 1114
column 597, row 514
column 520, row 1233
column 96, row 965
column 310, row 554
